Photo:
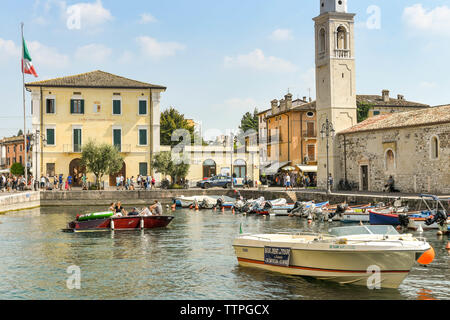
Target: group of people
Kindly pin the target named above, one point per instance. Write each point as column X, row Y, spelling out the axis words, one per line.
column 10, row 183
column 153, row 210
column 291, row 180
column 143, row 182
column 56, row 182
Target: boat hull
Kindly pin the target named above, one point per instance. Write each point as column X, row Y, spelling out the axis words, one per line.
column 378, row 218
column 348, row 267
column 123, row 223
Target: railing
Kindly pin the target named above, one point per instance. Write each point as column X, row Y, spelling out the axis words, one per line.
column 123, row 148
column 72, row 148
column 342, row 53
column 309, row 134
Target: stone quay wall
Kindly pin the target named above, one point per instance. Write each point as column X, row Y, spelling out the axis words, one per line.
column 20, row 201
column 141, row 198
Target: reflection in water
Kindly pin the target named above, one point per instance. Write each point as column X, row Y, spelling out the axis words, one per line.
column 425, row 294
column 192, row 258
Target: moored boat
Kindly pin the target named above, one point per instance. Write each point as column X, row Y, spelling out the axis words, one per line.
column 119, row 223
column 347, row 255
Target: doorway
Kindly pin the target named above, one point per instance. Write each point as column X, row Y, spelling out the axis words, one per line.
column 76, row 171
column 365, row 178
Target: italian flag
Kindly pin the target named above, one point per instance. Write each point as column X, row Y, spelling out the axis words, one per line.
column 27, row 65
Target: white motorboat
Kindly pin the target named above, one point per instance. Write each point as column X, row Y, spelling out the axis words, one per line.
column 186, row 202
column 347, row 255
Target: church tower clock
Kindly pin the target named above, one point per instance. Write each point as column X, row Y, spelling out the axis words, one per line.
column 335, row 81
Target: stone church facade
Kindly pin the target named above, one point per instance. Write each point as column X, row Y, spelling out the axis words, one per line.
column 412, row 147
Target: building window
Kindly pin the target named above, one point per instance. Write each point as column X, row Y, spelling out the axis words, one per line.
column 117, row 107
column 434, row 148
column 20, row 159
column 142, row 107
column 50, row 137
column 20, row 148
column 117, row 139
column 376, row 113
column 142, row 137
column 390, row 160
column 50, row 106
column 50, row 169
column 240, row 168
column 143, row 168
column 209, row 168
column 77, row 140
column 342, row 38
column 77, row 106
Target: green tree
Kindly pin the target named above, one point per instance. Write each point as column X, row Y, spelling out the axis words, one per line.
column 17, row 169
column 163, row 163
column 20, row 133
column 249, row 121
column 172, row 120
column 101, row 159
column 363, row 111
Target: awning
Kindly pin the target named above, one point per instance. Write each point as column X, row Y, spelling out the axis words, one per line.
column 4, row 171
column 272, row 169
column 307, row 168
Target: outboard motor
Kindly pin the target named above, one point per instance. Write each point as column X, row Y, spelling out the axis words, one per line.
column 267, row 206
column 219, row 203
column 440, row 218
column 404, row 220
column 341, row 208
column 297, row 205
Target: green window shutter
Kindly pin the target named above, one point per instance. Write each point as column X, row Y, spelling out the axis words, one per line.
column 72, row 106
column 51, row 136
column 117, row 136
column 116, row 107
column 142, row 107
column 143, row 168
column 143, row 137
column 82, row 106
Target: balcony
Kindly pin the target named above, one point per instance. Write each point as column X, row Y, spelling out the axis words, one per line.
column 72, row 148
column 342, row 54
column 309, row 134
column 76, row 148
column 123, row 148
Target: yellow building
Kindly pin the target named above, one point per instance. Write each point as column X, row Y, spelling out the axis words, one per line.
column 68, row 112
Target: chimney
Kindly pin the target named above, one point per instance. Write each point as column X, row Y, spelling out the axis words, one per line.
column 400, row 97
column 274, row 104
column 310, row 99
column 304, row 99
column 282, row 105
column 385, row 94
column 288, row 99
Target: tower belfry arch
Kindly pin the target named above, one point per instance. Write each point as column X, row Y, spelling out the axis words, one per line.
column 335, row 80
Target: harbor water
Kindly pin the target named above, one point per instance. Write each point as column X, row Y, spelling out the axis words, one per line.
column 192, row 258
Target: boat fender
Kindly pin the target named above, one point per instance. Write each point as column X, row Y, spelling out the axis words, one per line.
column 142, row 223
column 427, row 257
column 448, row 246
column 112, row 224
column 342, row 241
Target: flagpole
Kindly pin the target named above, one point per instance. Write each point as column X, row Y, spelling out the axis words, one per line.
column 24, row 113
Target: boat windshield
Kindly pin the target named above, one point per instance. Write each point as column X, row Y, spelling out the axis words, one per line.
column 356, row 230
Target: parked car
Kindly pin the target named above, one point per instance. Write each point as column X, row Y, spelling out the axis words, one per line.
column 216, row 181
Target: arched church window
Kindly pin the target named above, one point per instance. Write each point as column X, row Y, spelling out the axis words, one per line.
column 390, row 160
column 342, row 38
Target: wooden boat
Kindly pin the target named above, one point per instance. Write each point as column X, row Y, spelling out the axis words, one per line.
column 120, row 223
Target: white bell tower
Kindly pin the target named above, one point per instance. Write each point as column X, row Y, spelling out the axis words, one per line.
column 335, row 81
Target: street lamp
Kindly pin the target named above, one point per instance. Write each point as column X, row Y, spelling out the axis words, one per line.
column 327, row 132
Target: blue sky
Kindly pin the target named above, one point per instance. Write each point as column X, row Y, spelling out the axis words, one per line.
column 220, row 59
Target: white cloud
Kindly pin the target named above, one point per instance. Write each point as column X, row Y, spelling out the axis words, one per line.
column 40, row 54
column 147, row 18
column 435, row 20
column 93, row 53
column 281, row 35
column 46, row 56
column 91, row 14
column 155, row 49
column 256, row 60
column 8, row 49
column 126, row 57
